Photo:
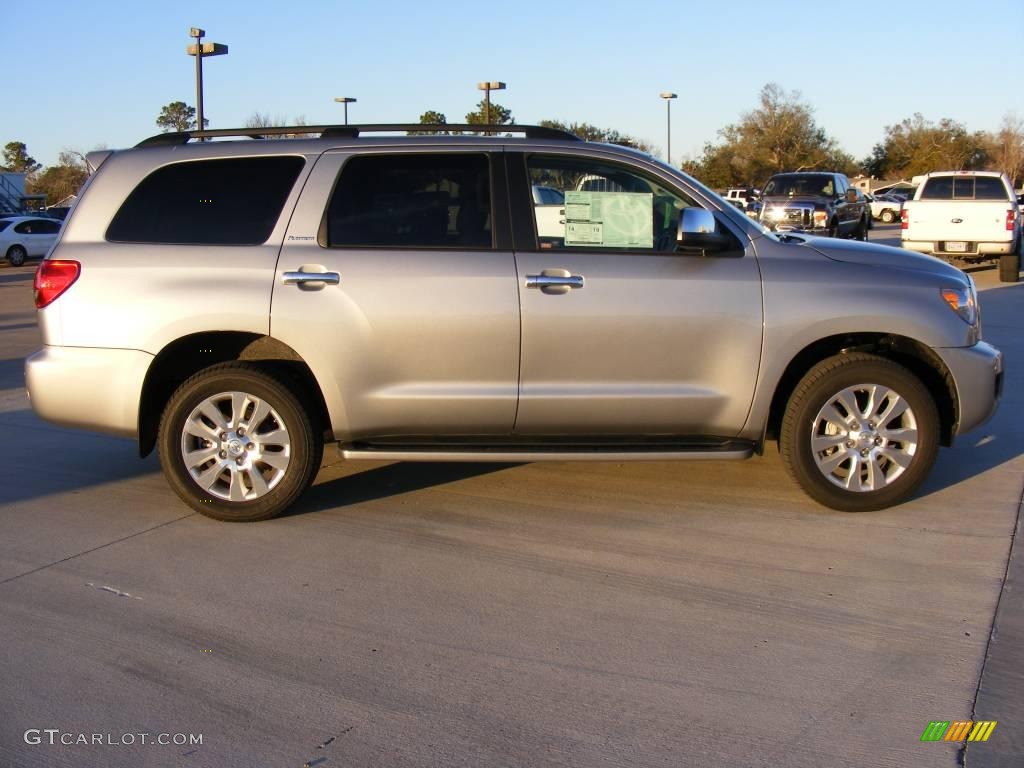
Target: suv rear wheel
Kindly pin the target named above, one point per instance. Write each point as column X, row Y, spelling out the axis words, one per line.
column 236, row 444
column 860, row 433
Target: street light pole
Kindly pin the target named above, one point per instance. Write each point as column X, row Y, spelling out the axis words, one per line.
column 345, row 100
column 201, row 50
column 493, row 85
column 668, row 96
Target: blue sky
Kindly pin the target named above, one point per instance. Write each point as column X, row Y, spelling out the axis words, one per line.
column 84, row 74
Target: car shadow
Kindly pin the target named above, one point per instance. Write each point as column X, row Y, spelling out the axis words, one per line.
column 17, row 277
column 83, row 460
column 387, row 481
column 1002, row 438
column 12, row 373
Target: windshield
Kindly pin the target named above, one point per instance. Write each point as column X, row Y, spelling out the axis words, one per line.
column 800, row 184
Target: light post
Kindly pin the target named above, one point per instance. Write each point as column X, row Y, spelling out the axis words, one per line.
column 487, row 88
column 668, row 96
column 346, row 100
column 201, row 50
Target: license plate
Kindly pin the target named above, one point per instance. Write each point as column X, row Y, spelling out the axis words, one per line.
column 956, row 246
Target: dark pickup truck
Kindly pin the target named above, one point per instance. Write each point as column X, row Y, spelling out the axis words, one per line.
column 817, row 202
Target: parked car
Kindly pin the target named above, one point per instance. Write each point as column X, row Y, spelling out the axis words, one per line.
column 967, row 215
column 239, row 304
column 885, row 208
column 26, row 237
column 817, row 202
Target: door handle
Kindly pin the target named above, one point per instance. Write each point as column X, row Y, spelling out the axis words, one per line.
column 300, row 277
column 554, row 281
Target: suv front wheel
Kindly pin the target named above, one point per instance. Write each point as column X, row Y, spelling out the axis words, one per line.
column 860, row 433
column 237, row 445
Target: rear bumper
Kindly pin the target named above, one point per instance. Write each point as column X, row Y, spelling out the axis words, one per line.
column 87, row 387
column 975, row 249
column 978, row 375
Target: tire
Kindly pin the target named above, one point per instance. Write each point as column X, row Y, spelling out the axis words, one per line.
column 1009, row 265
column 861, row 232
column 833, row 229
column 16, row 255
column 266, row 476
column 888, row 217
column 823, row 449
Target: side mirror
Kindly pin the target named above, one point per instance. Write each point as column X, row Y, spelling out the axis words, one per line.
column 697, row 231
column 851, row 196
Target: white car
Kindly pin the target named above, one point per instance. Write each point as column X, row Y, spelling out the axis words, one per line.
column 26, row 237
column 886, row 207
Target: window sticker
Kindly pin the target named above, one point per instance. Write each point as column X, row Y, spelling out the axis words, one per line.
column 609, row 219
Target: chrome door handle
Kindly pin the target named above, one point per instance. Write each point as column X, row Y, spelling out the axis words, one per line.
column 554, row 283
column 301, row 278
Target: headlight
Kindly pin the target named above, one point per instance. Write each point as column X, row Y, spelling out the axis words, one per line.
column 962, row 301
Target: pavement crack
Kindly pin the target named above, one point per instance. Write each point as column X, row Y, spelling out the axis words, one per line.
column 9, row 579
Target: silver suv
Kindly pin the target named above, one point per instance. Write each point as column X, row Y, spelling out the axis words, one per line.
column 238, row 304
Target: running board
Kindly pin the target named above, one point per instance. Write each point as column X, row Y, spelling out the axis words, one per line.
column 727, row 452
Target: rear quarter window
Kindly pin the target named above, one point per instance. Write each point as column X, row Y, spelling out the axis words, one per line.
column 234, row 201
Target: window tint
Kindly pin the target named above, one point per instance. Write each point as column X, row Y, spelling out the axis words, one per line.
column 602, row 206
column 989, row 188
column 965, row 188
column 25, row 228
column 940, row 188
column 4, row 224
column 413, row 200
column 208, row 202
column 44, row 227
column 800, row 184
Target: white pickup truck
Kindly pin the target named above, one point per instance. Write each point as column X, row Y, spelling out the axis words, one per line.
column 967, row 215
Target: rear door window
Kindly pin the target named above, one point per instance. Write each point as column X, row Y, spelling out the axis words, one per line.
column 416, row 200
column 234, row 201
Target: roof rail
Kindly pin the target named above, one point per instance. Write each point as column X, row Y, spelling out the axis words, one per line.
column 354, row 131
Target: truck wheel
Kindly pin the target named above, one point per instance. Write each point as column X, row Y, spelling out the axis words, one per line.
column 1009, row 266
column 860, row 432
column 236, row 444
column 888, row 217
column 861, row 232
column 833, row 229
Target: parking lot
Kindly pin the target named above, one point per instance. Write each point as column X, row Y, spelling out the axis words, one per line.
column 594, row 614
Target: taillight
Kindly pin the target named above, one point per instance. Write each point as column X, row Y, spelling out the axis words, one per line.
column 904, row 219
column 1011, row 217
column 53, row 277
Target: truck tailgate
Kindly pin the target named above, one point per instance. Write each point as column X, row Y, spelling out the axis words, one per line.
column 969, row 221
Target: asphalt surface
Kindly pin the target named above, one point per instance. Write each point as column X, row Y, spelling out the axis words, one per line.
column 648, row 614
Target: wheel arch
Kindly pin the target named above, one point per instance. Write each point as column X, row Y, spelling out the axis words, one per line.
column 918, row 358
column 184, row 357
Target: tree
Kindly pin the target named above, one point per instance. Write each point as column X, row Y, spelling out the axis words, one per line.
column 499, row 114
column 917, row 146
column 589, row 132
column 63, row 179
column 17, row 159
column 264, row 120
column 432, row 117
column 781, row 134
column 178, row 116
column 1005, row 149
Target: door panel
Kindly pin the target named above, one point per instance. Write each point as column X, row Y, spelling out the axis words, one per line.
column 410, row 341
column 651, row 344
column 630, row 341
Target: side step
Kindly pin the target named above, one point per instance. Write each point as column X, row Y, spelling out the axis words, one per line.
column 728, row 451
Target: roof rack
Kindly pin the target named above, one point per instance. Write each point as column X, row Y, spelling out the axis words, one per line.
column 354, row 131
